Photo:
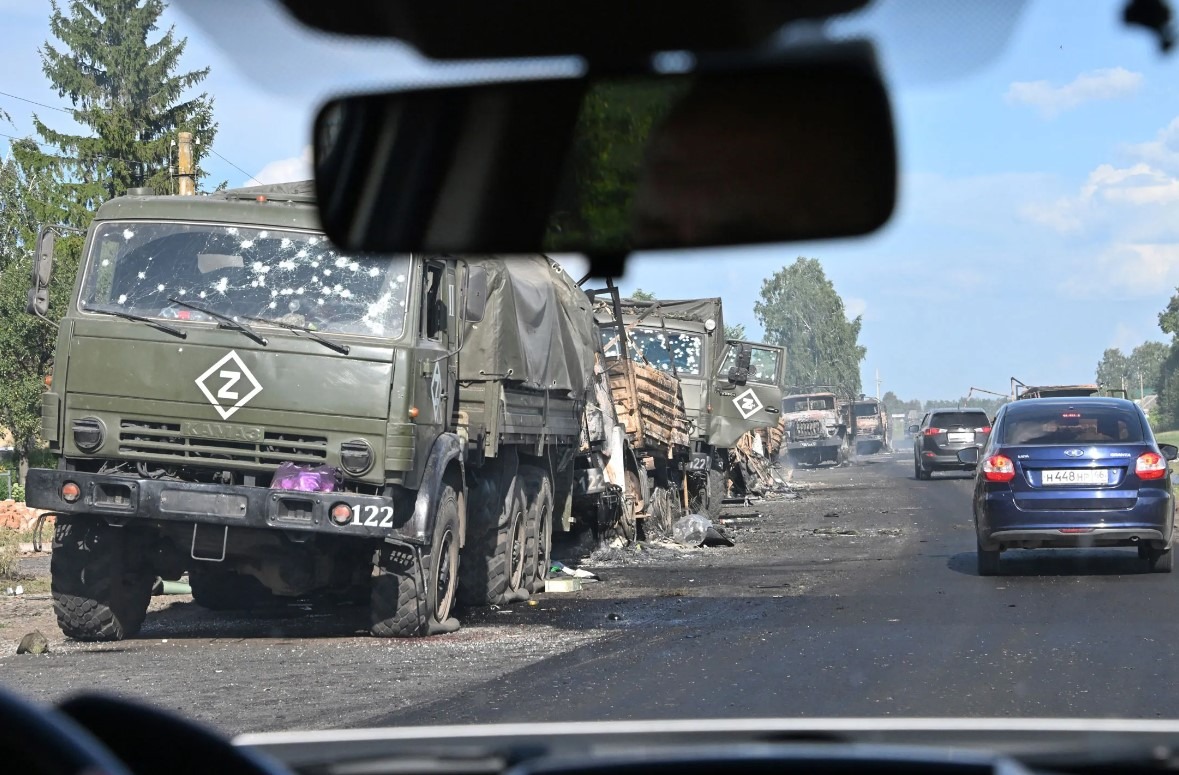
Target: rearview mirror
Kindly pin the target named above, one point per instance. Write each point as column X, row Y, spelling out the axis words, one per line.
column 1170, row 451
column 794, row 148
column 38, row 302
column 969, row 456
column 913, row 430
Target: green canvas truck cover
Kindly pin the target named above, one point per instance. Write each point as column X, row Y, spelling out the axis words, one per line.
column 538, row 326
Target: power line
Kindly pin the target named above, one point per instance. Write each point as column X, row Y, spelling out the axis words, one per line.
column 101, row 156
column 38, row 104
column 231, row 164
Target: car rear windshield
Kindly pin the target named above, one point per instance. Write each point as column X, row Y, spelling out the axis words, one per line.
column 959, row 420
column 1072, row 425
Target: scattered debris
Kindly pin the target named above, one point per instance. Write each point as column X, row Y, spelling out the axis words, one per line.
column 577, row 573
column 832, row 515
column 562, row 585
column 699, row 530
column 34, row 642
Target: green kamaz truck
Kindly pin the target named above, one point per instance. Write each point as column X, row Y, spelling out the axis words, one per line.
column 729, row 387
column 235, row 398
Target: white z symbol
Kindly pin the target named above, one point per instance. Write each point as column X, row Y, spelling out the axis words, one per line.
column 231, row 378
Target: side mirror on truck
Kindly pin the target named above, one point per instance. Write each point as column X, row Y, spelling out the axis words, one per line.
column 42, row 272
column 476, row 303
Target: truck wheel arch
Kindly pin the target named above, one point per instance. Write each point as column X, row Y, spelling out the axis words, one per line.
column 445, row 464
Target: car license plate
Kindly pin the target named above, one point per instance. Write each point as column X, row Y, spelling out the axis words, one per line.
column 1074, row 476
column 961, row 438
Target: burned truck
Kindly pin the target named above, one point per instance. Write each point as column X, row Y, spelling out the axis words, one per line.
column 873, row 426
column 235, row 398
column 728, row 387
column 819, row 428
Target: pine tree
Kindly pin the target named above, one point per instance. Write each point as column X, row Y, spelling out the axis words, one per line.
column 126, row 90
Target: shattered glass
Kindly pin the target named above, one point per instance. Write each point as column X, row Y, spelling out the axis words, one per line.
column 658, row 348
column 292, row 277
column 763, row 364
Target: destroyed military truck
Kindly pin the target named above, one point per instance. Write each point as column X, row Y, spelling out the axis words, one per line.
column 819, row 428
column 873, row 426
column 649, row 406
column 728, row 387
column 235, row 398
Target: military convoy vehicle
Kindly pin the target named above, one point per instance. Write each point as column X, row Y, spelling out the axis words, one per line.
column 873, row 426
column 729, row 387
column 235, row 398
column 819, row 426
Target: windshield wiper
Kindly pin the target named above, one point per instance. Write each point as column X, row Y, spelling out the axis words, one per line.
column 173, row 330
column 311, row 333
column 226, row 320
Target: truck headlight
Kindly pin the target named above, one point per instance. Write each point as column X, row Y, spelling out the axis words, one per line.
column 89, row 433
column 356, row 456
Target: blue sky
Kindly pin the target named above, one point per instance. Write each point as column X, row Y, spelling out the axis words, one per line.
column 1040, row 177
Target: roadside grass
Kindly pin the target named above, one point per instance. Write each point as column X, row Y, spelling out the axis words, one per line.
column 9, row 554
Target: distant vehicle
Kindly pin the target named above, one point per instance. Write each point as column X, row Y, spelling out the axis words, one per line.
column 942, row 434
column 1071, row 473
column 818, row 427
column 1020, row 391
column 873, row 429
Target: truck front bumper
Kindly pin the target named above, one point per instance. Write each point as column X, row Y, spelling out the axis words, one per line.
column 121, row 499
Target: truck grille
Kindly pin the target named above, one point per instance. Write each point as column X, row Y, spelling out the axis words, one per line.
column 807, row 429
column 163, row 440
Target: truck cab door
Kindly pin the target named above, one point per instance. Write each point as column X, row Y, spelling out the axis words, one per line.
column 438, row 339
column 748, row 393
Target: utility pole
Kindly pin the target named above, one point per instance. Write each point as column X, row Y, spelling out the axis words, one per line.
column 878, row 384
column 1141, row 390
column 184, row 165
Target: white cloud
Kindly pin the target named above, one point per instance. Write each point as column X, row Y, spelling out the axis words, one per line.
column 1105, row 84
column 1128, row 270
column 1162, row 151
column 1139, row 202
column 286, row 170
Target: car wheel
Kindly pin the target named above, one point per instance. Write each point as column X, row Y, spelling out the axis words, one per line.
column 919, row 471
column 988, row 561
column 1160, row 560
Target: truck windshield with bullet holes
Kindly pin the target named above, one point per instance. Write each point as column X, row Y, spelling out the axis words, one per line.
column 236, row 399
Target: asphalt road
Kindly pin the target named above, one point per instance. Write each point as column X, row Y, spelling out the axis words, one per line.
column 858, row 598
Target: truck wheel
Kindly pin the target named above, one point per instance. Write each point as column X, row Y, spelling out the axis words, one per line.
column 709, row 495
column 97, row 593
column 492, row 563
column 396, row 609
column 223, row 590
column 540, row 526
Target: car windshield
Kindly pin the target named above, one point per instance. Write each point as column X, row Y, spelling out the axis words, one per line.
column 451, row 509
column 294, row 277
column 805, row 404
column 1071, row 425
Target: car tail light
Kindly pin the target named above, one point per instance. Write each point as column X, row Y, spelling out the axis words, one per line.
column 998, row 468
column 984, row 429
column 1151, row 465
column 934, row 431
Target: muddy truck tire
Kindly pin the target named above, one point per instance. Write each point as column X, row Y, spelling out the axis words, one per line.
column 398, row 606
column 98, row 593
column 492, row 565
column 539, row 488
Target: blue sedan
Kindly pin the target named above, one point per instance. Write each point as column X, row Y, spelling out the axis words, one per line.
column 1072, row 472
